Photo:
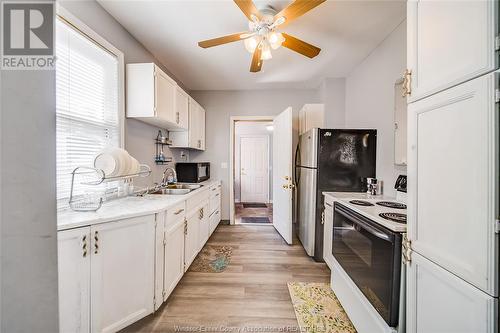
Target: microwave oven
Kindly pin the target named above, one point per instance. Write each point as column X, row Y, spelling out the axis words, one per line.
column 192, row 172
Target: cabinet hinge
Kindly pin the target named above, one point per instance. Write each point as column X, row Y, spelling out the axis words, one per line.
column 406, row 249
column 497, row 43
column 164, row 241
column 163, row 294
column 497, row 95
column 497, row 226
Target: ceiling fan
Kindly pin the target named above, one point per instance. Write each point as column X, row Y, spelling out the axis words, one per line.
column 263, row 35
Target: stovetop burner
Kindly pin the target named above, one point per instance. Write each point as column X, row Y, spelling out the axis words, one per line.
column 395, row 217
column 361, row 203
column 391, row 204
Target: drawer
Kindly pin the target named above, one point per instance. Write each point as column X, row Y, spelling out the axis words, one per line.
column 195, row 201
column 215, row 202
column 175, row 213
column 214, row 220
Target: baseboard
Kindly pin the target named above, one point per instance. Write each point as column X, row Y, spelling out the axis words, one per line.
column 224, row 222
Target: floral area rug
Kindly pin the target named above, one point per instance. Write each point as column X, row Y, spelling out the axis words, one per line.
column 212, row 259
column 317, row 309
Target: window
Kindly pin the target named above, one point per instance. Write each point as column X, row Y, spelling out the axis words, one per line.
column 88, row 102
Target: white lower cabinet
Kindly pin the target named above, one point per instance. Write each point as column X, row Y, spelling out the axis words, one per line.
column 106, row 275
column 204, row 234
column 74, row 280
column 173, row 257
column 438, row 301
column 328, row 232
column 191, row 245
column 122, row 272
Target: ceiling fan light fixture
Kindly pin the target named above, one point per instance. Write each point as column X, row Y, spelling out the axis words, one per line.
column 266, row 52
column 251, row 43
column 275, row 39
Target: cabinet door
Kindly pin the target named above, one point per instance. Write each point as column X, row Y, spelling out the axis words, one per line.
column 214, row 220
column 174, row 257
column 191, row 245
column 204, row 214
column 181, row 108
column 193, row 132
column 328, row 235
column 438, row 301
column 165, row 90
column 449, row 42
column 122, row 272
column 201, row 127
column 73, row 251
column 453, row 180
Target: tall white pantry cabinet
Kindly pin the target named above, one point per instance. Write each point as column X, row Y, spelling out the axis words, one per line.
column 452, row 84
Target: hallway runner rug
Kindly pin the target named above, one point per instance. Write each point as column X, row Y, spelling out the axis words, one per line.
column 254, row 205
column 212, row 259
column 255, row 219
column 317, row 308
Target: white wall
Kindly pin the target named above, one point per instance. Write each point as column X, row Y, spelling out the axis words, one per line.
column 370, row 100
column 221, row 105
column 331, row 92
column 251, row 128
column 139, row 137
column 28, row 241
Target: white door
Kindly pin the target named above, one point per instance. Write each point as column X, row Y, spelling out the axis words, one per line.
column 254, row 168
column 165, row 90
column 282, row 174
column 449, row 42
column 173, row 267
column 453, row 180
column 191, row 245
column 73, row 250
column 122, row 272
column 440, row 302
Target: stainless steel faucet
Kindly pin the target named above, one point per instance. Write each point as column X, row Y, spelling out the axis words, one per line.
column 164, row 180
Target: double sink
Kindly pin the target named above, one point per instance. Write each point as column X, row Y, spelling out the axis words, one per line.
column 176, row 189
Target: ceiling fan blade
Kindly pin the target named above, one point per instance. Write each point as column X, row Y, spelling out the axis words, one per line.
column 248, row 8
column 300, row 46
column 297, row 9
column 256, row 61
column 224, row 39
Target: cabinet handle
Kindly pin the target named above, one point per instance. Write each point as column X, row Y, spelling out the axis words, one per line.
column 217, row 194
column 185, row 226
column 96, row 243
column 177, row 117
column 84, row 245
column 407, row 83
column 179, row 211
column 323, row 217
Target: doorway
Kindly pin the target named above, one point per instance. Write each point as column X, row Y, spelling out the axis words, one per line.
column 252, row 170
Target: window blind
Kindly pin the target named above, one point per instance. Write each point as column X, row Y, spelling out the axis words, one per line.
column 87, row 110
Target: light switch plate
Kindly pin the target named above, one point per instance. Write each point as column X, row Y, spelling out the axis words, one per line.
column 223, row 165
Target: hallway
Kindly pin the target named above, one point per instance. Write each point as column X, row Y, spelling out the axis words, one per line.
column 250, row 293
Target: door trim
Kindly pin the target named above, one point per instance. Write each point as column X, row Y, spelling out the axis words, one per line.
column 232, row 122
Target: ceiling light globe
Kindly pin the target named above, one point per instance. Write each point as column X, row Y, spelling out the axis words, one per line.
column 251, row 43
column 275, row 40
column 266, row 52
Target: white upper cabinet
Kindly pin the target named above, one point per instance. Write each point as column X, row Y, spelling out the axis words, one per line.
column 311, row 116
column 153, row 97
column 453, row 180
column 194, row 138
column 181, row 108
column 449, row 42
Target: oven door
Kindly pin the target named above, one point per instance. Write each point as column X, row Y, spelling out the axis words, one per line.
column 371, row 255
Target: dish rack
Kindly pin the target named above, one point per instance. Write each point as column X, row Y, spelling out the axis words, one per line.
column 89, row 187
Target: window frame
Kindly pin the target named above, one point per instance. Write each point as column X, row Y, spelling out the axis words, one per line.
column 86, row 31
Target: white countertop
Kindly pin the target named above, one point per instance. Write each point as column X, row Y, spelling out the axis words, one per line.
column 370, row 212
column 125, row 208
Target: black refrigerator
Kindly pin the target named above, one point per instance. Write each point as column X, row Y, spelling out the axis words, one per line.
column 332, row 160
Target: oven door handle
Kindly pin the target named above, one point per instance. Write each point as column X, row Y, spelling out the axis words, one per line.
column 365, row 226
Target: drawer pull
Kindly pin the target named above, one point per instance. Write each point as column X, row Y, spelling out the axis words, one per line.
column 217, row 194
column 179, row 211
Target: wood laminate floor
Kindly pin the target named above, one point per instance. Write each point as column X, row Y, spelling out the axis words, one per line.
column 241, row 211
column 250, row 294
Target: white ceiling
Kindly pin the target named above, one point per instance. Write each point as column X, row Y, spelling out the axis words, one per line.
column 346, row 31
